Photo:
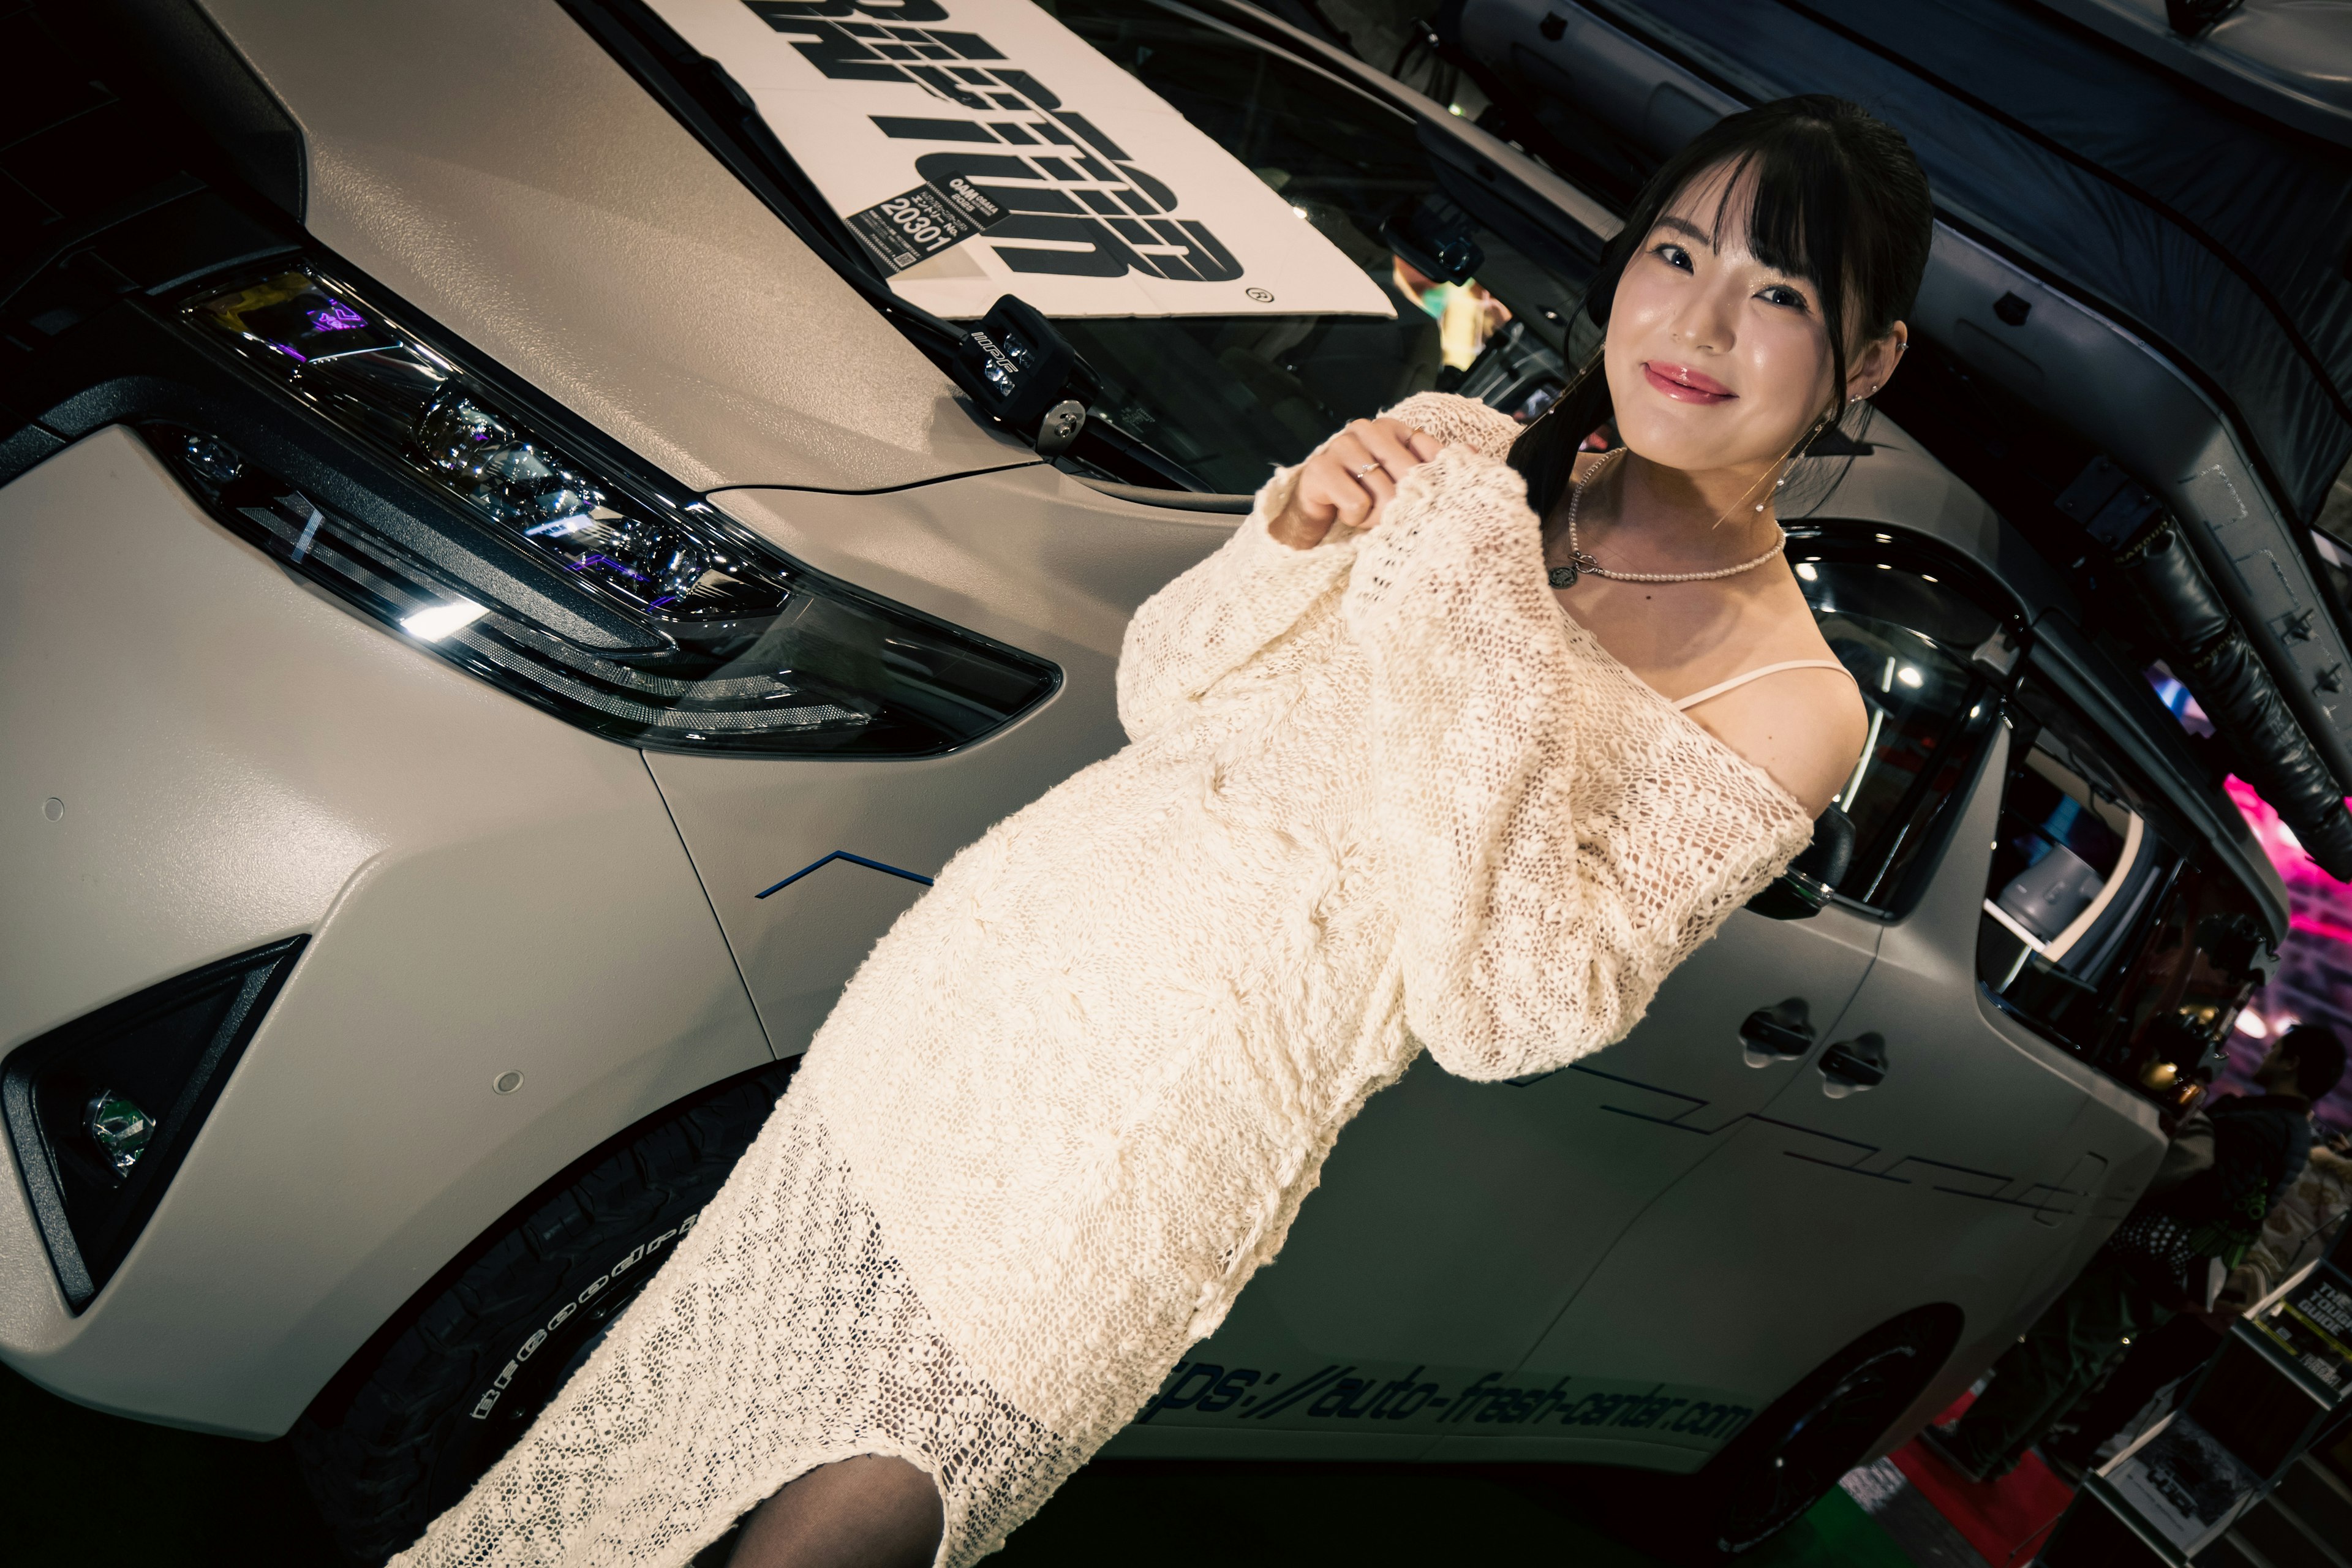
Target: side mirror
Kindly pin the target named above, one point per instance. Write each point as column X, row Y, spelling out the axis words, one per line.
column 1798, row 892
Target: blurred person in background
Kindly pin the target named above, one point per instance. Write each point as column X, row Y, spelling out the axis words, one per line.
column 2297, row 1230
column 2229, row 1165
column 1466, row 315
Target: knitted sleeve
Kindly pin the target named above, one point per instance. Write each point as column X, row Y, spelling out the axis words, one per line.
column 1217, row 616
column 1459, row 421
column 1553, row 839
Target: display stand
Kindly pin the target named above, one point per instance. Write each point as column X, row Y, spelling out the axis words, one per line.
column 2224, row 1481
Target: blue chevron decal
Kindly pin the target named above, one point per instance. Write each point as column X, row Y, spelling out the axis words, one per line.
column 1694, row 1107
column 853, row 859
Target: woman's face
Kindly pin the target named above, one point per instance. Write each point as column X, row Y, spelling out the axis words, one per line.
column 1716, row 362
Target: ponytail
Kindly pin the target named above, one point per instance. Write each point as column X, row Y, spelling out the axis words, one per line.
column 1545, row 450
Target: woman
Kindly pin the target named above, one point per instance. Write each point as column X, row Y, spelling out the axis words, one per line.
column 1410, row 768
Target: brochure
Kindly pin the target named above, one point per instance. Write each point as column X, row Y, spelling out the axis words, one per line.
column 2183, row 1484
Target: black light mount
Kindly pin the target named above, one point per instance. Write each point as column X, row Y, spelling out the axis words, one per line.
column 1018, row 370
column 1436, row 237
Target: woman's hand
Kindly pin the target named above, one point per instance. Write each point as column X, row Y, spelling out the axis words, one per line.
column 1352, row 478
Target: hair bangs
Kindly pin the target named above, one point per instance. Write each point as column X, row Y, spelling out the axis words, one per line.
column 1833, row 198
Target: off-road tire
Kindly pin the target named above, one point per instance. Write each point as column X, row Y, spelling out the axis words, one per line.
column 393, row 1443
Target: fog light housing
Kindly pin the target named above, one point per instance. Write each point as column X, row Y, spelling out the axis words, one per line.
column 100, row 1112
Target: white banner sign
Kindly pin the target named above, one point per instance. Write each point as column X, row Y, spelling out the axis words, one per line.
column 979, row 148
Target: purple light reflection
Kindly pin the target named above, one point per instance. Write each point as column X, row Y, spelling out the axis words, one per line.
column 334, row 316
column 601, row 559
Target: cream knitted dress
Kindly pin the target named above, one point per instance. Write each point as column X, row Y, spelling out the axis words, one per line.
column 1380, row 795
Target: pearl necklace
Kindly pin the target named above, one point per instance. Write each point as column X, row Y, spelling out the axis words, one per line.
column 1580, row 562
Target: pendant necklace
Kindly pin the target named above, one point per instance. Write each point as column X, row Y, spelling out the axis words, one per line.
column 1579, row 562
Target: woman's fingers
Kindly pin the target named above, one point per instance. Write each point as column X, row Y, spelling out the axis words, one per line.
column 1389, row 443
column 1352, row 478
column 1419, row 442
column 1349, row 473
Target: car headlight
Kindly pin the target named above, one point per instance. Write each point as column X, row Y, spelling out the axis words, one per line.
column 727, row 644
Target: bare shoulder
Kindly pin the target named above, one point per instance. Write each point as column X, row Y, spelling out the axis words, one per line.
column 1805, row 727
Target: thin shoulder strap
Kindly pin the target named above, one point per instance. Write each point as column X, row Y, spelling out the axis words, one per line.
column 1736, row 682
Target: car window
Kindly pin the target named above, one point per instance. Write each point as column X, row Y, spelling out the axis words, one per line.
column 1907, row 635
column 2105, row 926
column 1229, row 398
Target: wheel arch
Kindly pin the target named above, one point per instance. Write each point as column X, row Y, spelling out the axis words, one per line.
column 1938, row 1326
column 332, row 1400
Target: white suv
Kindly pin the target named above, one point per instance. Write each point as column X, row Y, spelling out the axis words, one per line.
column 506, row 604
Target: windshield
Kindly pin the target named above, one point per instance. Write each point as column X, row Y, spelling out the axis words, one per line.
column 1432, row 257
column 1229, row 397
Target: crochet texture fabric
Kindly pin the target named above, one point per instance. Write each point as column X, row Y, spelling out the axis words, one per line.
column 1381, row 795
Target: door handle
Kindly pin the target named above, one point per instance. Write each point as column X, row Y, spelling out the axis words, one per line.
column 1780, row 1033
column 1851, row 1066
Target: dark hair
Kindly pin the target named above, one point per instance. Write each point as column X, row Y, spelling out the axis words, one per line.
column 2318, row 1056
column 1839, row 201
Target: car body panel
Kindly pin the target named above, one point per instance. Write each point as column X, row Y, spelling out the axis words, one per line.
column 1902, row 485
column 1941, row 1184
column 1027, row 556
column 1454, row 1220
column 254, row 762
column 490, row 164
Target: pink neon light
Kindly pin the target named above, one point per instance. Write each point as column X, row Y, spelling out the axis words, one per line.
column 2314, row 927
column 2294, row 868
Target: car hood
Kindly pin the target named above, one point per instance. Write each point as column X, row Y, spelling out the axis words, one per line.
column 487, row 161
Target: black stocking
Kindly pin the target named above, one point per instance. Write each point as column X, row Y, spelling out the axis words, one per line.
column 871, row 1511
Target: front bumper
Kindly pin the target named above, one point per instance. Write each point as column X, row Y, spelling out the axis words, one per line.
column 237, row 759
